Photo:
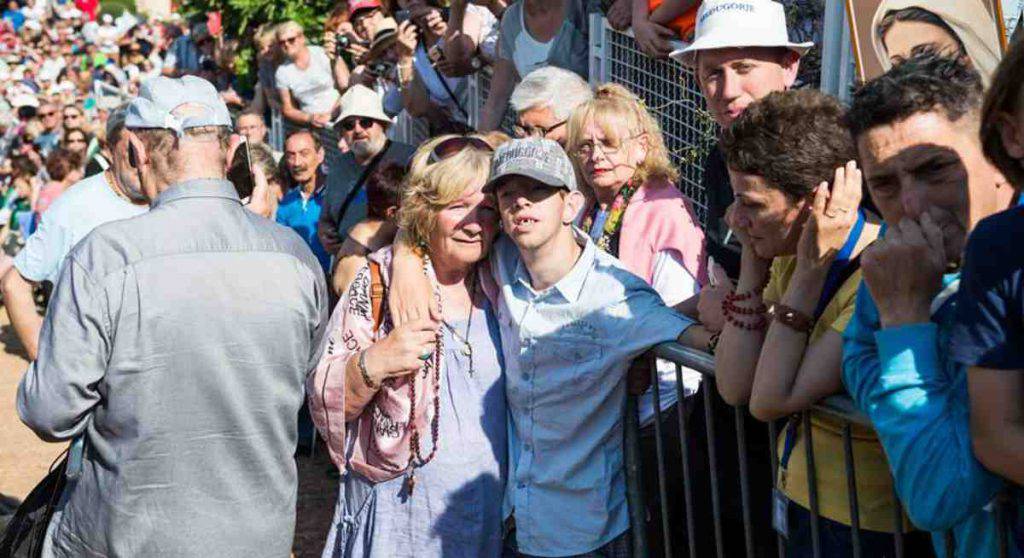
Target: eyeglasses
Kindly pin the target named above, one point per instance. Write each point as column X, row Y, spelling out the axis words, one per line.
column 71, row 115
column 452, row 146
column 587, row 148
column 288, row 40
column 536, row 131
column 349, row 124
column 47, row 114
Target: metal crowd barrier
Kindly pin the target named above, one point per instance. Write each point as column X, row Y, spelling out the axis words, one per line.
column 839, row 407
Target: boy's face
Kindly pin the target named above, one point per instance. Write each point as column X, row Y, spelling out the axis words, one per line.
column 533, row 213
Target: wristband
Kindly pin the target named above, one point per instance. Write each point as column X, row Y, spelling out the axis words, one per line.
column 792, row 318
column 365, row 374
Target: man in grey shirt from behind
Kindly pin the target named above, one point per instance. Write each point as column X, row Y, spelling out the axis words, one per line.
column 177, row 344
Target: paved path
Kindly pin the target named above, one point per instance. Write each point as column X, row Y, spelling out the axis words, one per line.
column 24, row 458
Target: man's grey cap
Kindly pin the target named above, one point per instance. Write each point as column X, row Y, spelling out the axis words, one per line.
column 177, row 105
column 537, row 158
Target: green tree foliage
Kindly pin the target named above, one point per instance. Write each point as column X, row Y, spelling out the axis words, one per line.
column 241, row 19
column 117, row 7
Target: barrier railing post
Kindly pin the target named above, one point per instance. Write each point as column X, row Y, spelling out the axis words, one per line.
column 709, row 404
column 812, row 483
column 898, row 531
column 684, row 435
column 741, row 443
column 659, row 446
column 773, row 455
column 851, row 489
column 634, row 485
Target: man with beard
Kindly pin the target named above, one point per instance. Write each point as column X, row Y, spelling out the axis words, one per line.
column 300, row 208
column 916, row 129
column 108, row 196
column 362, row 125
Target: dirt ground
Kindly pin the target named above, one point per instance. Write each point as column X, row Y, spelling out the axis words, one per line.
column 24, row 458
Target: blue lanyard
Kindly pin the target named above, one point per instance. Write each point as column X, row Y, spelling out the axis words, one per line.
column 835, row 272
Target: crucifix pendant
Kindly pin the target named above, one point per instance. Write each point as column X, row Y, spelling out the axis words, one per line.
column 467, row 350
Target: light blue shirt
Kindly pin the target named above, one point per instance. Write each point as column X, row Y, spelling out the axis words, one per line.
column 916, row 397
column 86, row 205
column 567, row 350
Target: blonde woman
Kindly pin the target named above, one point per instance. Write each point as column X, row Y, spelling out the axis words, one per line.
column 305, row 81
column 414, row 416
column 636, row 213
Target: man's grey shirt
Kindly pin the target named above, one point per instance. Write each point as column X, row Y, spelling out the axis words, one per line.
column 178, row 343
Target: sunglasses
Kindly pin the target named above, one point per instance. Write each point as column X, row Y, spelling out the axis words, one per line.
column 288, row 40
column 452, row 146
column 349, row 124
column 71, row 115
column 47, row 114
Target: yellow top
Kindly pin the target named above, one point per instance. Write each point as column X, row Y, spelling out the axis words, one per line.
column 875, row 497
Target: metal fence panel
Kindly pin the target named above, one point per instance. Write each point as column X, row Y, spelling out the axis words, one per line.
column 670, row 92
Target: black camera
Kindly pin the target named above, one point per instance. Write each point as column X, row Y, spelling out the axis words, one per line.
column 380, row 68
column 341, row 43
column 207, row 64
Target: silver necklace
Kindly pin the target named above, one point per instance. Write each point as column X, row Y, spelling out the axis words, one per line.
column 467, row 348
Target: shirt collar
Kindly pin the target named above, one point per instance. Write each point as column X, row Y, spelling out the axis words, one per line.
column 198, row 188
column 570, row 286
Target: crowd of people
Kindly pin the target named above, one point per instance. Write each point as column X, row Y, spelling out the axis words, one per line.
column 460, row 321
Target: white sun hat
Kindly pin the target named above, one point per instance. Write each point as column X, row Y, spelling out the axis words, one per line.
column 360, row 100
column 739, row 24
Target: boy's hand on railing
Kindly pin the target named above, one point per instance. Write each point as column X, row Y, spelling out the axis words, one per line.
column 638, row 377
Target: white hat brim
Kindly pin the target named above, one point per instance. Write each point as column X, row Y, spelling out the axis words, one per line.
column 687, row 55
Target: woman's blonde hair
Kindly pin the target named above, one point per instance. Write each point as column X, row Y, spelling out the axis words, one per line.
column 622, row 115
column 431, row 187
column 287, row 26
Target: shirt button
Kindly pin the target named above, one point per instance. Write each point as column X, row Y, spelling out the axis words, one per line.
column 521, row 485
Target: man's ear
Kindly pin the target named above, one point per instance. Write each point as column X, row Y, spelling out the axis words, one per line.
column 320, row 156
column 790, row 63
column 573, row 205
column 137, row 156
column 1011, row 134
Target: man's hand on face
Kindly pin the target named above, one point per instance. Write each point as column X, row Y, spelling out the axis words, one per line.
column 903, row 271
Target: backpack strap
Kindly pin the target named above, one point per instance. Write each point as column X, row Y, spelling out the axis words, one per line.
column 376, row 295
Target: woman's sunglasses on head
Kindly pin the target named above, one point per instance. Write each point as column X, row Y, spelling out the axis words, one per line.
column 452, row 146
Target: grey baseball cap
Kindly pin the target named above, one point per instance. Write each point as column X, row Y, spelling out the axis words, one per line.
column 537, row 158
column 177, row 105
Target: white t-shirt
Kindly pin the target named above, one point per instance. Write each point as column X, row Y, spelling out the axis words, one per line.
column 529, row 53
column 84, row 206
column 675, row 284
column 312, row 89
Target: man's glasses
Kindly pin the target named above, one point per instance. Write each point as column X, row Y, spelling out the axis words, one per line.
column 536, row 131
column 71, row 115
column 349, row 124
column 288, row 40
column 451, row 146
column 47, row 114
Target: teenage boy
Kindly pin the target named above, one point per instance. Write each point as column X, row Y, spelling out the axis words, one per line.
column 572, row 320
